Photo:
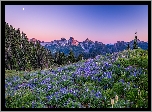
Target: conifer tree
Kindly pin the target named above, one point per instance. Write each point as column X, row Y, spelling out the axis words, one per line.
column 59, row 61
column 128, row 47
column 21, row 54
column 135, row 46
column 56, row 57
column 71, row 56
column 63, row 58
column 79, row 57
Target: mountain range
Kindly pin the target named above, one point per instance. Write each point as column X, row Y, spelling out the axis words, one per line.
column 87, row 47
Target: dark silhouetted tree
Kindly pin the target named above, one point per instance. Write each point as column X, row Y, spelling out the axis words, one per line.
column 135, row 46
column 71, row 57
column 128, row 47
column 79, row 57
column 21, row 54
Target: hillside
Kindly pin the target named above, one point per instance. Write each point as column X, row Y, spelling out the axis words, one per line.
column 92, row 83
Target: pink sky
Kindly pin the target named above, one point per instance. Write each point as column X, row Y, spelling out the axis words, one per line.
column 107, row 24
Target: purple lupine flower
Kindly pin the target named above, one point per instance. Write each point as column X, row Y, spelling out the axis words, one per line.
column 36, row 79
column 92, row 91
column 98, row 95
column 16, row 88
column 118, row 65
column 49, row 86
column 99, row 79
column 63, row 90
column 48, row 79
column 43, row 72
column 105, row 74
column 74, row 75
column 30, row 85
column 135, row 86
column 74, row 92
column 128, row 83
column 106, row 63
column 109, row 76
column 6, row 85
column 129, row 68
column 92, row 77
column 71, row 91
column 135, row 74
column 33, row 104
column 49, row 97
column 105, row 87
column 98, row 57
column 121, row 80
column 102, row 67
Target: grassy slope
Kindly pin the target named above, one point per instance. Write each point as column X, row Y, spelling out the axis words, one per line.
column 26, row 98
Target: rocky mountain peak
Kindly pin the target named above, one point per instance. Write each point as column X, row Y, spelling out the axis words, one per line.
column 63, row 39
column 73, row 42
column 87, row 40
column 71, row 38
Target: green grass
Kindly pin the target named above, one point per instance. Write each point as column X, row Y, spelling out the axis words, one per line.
column 128, row 94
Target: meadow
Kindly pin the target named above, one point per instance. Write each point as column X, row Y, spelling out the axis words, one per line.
column 118, row 80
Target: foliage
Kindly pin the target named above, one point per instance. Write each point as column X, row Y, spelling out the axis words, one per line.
column 135, row 45
column 21, row 54
column 128, row 47
column 88, row 83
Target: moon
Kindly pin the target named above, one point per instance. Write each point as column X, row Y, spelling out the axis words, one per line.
column 23, row 8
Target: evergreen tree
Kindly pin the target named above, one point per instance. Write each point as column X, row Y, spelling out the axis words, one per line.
column 128, row 47
column 71, row 56
column 79, row 57
column 135, row 46
column 20, row 54
column 63, row 58
column 59, row 61
column 56, row 57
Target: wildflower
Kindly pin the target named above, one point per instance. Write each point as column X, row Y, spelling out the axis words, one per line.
column 98, row 95
column 139, row 93
column 92, row 77
column 49, row 97
column 74, row 92
column 112, row 102
column 123, row 56
column 49, row 86
column 10, row 83
column 109, row 76
column 116, row 97
column 125, row 88
column 121, row 80
column 135, row 86
column 134, row 74
column 87, row 89
column 33, row 104
column 118, row 65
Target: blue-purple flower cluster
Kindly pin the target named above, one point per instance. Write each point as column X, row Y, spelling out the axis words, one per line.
column 70, row 81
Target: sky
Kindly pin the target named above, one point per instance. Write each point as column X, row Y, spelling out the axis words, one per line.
column 103, row 23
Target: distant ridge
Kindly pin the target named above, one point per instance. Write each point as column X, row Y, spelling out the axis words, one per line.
column 89, row 48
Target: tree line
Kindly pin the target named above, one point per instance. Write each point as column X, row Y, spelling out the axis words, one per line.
column 22, row 54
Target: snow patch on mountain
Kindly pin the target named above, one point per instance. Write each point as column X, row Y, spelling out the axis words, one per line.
column 82, row 46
